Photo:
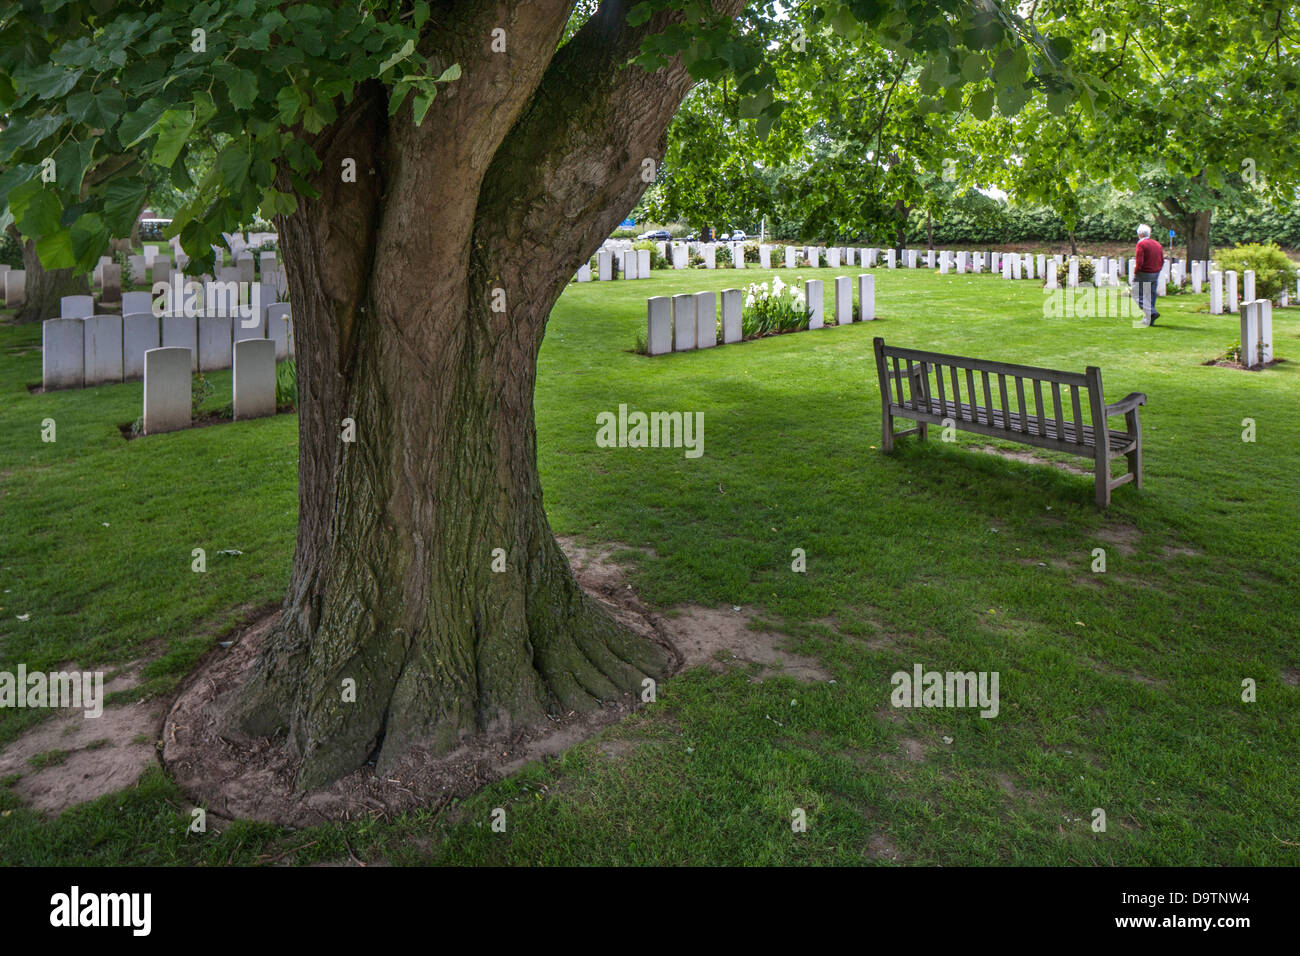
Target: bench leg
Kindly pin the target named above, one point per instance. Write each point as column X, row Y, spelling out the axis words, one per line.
column 1101, row 475
column 922, row 431
column 1135, row 456
column 886, row 431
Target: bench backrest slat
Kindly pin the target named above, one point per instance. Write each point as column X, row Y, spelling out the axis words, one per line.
column 974, row 401
column 1038, row 406
column 988, row 396
column 943, row 397
column 956, row 393
column 1056, row 410
column 1006, row 403
column 1078, row 415
column 1020, row 400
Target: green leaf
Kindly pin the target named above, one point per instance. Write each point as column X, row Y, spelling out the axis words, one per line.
column 173, row 128
column 123, row 199
column 407, row 49
column 981, row 104
column 89, row 237
column 241, row 85
column 420, row 105
column 54, row 249
column 37, row 211
column 451, row 73
column 137, row 124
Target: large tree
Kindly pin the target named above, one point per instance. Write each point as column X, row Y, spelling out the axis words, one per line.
column 436, row 172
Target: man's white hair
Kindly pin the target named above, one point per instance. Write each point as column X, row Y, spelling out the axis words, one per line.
column 1143, row 231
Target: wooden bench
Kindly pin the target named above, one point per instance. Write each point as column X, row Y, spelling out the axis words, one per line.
column 928, row 399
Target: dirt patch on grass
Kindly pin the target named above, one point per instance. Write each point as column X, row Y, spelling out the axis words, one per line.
column 1232, row 363
column 71, row 758
column 714, row 637
column 1291, row 676
column 1122, row 537
column 254, row 779
column 1012, row 454
column 881, row 847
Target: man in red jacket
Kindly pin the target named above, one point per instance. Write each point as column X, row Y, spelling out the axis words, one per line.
column 1146, row 276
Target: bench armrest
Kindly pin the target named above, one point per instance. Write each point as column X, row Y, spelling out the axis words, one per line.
column 1126, row 404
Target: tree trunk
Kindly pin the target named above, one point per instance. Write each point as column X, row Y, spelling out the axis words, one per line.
column 421, row 294
column 1074, row 248
column 1198, row 235
column 46, row 286
column 929, row 230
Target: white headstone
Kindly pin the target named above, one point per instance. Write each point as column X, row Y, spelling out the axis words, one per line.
column 604, row 265
column 1051, row 275
column 891, row 258
column 710, row 254
column 643, row 263
column 110, row 277
column 1216, row 293
column 765, row 257
column 1265, row 330
column 814, row 257
column 279, row 329
column 215, row 337
column 1016, row 265
column 166, row 390
column 681, row 255
column 706, row 320
column 683, row 322
column 103, row 349
column 738, row 255
column 584, row 272
column 136, row 302
column 833, row 257
column 139, row 335
column 732, row 301
column 843, row 300
column 791, row 256
column 1073, row 277
column 149, row 253
column 76, row 306
column 631, row 263
column 848, row 255
column 1248, row 286
column 813, row 298
column 63, row 353
column 254, row 378
column 1250, row 339
column 866, row 297
column 659, row 325
column 1230, row 278
column 182, row 331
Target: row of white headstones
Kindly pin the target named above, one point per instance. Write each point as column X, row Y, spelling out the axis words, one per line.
column 205, row 316
column 690, row 321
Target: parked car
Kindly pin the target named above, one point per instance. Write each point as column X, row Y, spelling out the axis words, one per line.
column 657, row 235
column 725, row 237
column 738, row 236
column 153, row 228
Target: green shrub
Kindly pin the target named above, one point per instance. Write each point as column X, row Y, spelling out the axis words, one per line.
column 200, row 391
column 771, row 308
column 11, row 251
column 1273, row 270
column 1087, row 272
column 656, row 260
column 286, row 384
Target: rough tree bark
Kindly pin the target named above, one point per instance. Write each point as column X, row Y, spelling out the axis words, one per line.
column 521, row 168
column 45, row 286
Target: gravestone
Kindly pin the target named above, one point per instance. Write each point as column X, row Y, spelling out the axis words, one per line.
column 1162, row 280
column 706, row 320
column 765, row 257
column 643, row 263
column 136, row 302
column 710, row 254
column 1216, row 293
column 630, row 264
column 1198, row 276
column 166, row 390
column 245, row 264
column 63, row 353
column 738, row 255
column 683, row 323
column 833, row 258
column 214, row 340
column 813, row 298
column 866, row 297
column 254, row 378
column 138, row 267
column 1250, row 338
column 659, row 325
column 848, row 255
column 139, row 335
column 1073, row 277
column 1042, row 264
column 604, row 265
column 1006, row 267
column 584, row 272
column 1230, row 279
column 1265, row 330
column 943, row 264
column 103, row 349
column 149, row 253
column 1248, row 286
column 732, row 330
column 890, row 258
column 873, row 256
column 963, row 259
column 1051, row 274
column 279, row 329
column 1016, row 265
column 76, row 306
column 182, row 331
column 681, row 255
column 791, row 256
column 814, row 257
column 843, row 300
column 112, row 284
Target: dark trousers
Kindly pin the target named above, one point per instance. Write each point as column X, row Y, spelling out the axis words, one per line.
column 1145, row 285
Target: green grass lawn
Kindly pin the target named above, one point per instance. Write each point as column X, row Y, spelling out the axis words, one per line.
column 1119, row 690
